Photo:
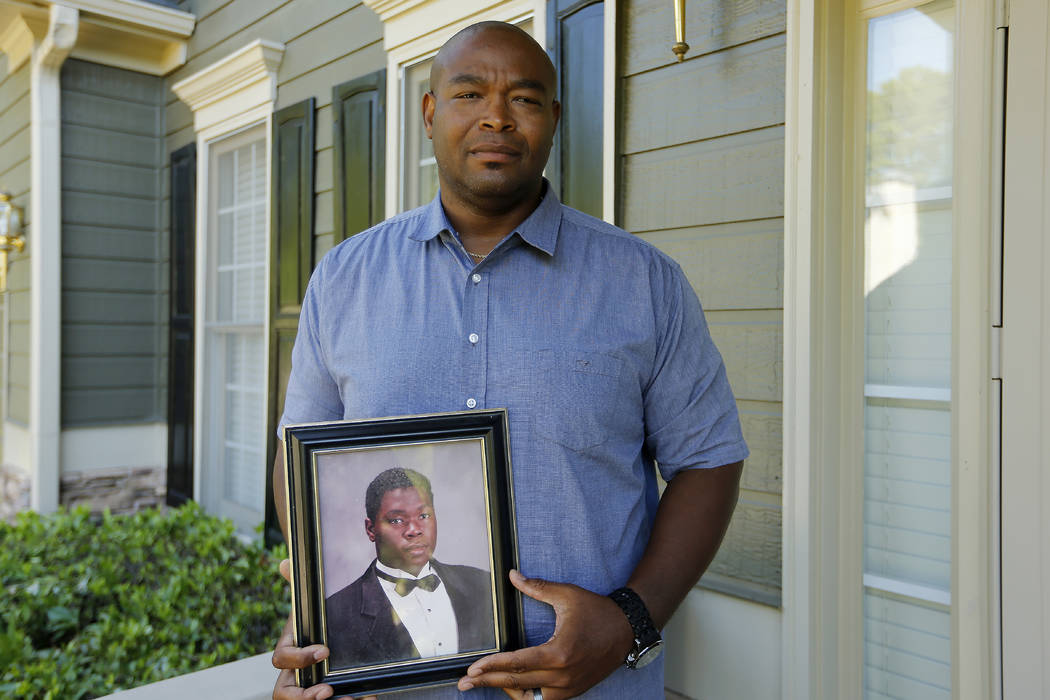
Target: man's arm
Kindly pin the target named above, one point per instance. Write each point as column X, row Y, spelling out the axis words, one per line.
column 592, row 636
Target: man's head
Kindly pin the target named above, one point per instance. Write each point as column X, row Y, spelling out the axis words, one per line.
column 400, row 519
column 491, row 112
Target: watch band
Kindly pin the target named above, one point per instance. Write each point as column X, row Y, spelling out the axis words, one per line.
column 647, row 640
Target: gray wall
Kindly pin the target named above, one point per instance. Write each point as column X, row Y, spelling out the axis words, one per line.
column 15, row 179
column 112, row 313
column 702, row 168
column 326, row 42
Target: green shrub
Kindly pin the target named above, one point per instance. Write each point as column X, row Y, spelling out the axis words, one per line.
column 96, row 604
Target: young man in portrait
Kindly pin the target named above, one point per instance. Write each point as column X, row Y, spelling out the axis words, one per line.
column 407, row 605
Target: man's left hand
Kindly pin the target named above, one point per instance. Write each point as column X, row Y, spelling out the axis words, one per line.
column 591, row 639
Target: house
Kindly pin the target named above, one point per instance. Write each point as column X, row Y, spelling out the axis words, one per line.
column 855, row 188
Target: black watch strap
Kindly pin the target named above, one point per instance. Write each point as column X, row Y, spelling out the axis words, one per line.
column 646, row 637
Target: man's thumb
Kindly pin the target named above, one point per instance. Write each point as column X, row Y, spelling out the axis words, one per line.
column 536, row 588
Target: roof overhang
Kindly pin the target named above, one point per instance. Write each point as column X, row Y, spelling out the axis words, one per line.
column 132, row 34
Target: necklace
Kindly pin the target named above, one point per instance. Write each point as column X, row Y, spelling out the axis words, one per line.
column 478, row 257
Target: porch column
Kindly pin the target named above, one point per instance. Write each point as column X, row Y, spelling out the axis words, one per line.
column 45, row 352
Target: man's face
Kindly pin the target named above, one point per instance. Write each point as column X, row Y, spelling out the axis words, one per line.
column 405, row 530
column 491, row 114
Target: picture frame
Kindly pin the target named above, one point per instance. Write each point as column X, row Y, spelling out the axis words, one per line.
column 359, row 534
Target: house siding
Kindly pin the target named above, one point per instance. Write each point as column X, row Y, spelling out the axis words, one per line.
column 326, row 42
column 15, row 178
column 702, row 179
column 112, row 356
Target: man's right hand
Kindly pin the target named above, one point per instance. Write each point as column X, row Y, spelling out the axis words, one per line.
column 287, row 657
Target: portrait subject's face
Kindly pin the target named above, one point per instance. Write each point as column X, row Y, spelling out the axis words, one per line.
column 405, row 530
column 491, row 114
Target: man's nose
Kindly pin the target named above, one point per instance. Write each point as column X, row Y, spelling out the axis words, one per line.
column 413, row 529
column 497, row 116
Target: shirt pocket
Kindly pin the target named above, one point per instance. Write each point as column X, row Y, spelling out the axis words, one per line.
column 580, row 397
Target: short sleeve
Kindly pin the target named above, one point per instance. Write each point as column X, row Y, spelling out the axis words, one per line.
column 312, row 393
column 691, row 418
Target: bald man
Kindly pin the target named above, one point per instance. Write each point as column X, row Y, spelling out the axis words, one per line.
column 497, row 295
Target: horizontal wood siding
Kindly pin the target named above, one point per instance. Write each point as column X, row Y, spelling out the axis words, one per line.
column 702, row 178
column 15, row 178
column 112, row 354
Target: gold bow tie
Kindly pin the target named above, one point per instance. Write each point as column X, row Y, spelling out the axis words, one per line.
column 404, row 586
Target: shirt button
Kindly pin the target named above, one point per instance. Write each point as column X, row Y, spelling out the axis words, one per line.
column 471, row 403
column 475, row 278
column 473, row 338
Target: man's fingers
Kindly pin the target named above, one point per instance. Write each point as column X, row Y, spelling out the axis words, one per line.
column 286, row 689
column 293, row 657
column 286, row 569
column 519, row 681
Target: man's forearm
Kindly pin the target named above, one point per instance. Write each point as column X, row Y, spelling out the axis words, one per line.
column 691, row 520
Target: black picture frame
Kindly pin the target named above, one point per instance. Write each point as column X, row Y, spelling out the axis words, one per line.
column 466, row 456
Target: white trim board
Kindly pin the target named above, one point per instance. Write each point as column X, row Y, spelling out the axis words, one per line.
column 114, row 447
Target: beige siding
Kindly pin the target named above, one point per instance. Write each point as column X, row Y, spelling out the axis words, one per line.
column 702, row 168
column 15, row 178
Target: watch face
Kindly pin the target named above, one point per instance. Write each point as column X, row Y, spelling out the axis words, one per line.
column 649, row 654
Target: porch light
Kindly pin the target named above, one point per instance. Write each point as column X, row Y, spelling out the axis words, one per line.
column 11, row 237
column 680, row 47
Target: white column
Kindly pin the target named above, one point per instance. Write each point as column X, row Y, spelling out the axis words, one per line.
column 45, row 243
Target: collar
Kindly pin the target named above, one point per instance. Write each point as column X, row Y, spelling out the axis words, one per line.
column 425, row 571
column 539, row 229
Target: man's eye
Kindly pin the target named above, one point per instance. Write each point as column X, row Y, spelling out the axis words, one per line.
column 395, row 521
column 424, row 516
column 467, row 95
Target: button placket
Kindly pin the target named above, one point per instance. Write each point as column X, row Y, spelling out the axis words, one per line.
column 475, row 319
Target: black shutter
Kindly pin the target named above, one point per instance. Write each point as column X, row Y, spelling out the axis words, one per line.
column 180, row 329
column 359, row 140
column 291, row 261
column 575, row 35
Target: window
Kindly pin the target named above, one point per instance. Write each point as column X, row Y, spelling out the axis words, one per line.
column 908, row 337
column 235, row 311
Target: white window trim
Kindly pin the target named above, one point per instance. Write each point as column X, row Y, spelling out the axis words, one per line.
column 821, row 655
column 233, row 94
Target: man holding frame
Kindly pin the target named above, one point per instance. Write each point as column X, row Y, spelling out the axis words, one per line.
column 493, row 295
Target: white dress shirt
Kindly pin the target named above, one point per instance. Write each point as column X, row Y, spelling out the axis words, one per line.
column 427, row 615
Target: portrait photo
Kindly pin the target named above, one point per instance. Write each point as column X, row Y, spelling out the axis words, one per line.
column 405, row 550
column 402, row 536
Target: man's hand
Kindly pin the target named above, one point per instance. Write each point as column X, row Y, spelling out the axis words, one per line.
column 287, row 657
column 591, row 639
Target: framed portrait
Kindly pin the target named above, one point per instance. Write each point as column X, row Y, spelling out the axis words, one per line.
column 401, row 536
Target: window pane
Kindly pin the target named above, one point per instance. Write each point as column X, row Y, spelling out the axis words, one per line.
column 235, row 362
column 419, row 166
column 908, row 301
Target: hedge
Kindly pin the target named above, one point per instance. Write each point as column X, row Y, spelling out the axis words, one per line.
column 94, row 604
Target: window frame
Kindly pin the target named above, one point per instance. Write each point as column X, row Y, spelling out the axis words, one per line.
column 821, row 649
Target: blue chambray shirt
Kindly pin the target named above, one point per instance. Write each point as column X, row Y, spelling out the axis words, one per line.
column 590, row 337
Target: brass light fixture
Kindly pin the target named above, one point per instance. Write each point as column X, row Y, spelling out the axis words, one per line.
column 11, row 237
column 680, row 47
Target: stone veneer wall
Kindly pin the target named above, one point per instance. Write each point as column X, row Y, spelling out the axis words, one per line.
column 14, row 492
column 120, row 490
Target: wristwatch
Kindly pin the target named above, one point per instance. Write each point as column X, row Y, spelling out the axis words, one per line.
column 647, row 641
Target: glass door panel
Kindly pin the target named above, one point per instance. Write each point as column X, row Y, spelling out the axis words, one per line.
column 908, row 297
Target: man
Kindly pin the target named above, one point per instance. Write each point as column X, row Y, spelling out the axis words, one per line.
column 493, row 295
column 407, row 605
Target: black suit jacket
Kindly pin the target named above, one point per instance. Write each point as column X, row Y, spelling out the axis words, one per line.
column 363, row 628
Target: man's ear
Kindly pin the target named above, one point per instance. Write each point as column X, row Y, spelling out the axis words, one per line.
column 556, row 108
column 370, row 529
column 428, row 111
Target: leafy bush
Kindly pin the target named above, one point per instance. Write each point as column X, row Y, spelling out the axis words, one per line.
column 96, row 604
